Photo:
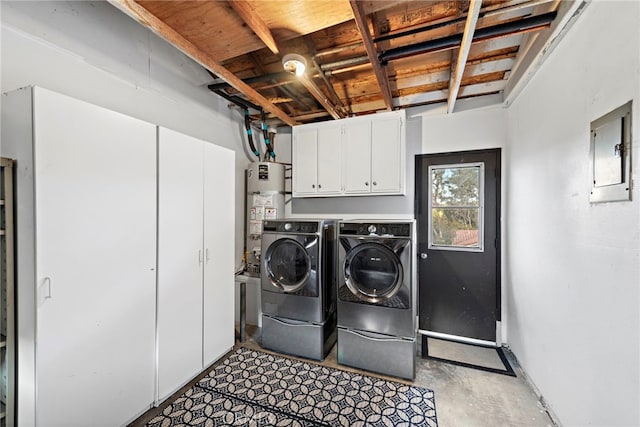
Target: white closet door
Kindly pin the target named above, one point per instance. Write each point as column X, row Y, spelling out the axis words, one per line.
column 180, row 258
column 356, row 150
column 305, row 159
column 96, row 224
column 386, row 155
column 219, row 239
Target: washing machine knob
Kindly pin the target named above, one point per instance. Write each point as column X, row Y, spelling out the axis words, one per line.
column 372, row 228
column 288, row 226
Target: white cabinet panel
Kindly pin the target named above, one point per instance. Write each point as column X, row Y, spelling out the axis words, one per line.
column 95, row 183
column 305, row 157
column 180, row 258
column 357, row 157
column 329, row 159
column 219, row 278
column 387, row 155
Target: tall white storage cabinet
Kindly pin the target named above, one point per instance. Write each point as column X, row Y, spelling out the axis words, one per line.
column 195, row 257
column 86, row 259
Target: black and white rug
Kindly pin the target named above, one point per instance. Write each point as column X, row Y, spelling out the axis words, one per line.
column 252, row 388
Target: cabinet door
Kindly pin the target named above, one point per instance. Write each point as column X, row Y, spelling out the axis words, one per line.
column 305, row 151
column 95, row 173
column 219, row 238
column 329, row 158
column 386, row 155
column 356, row 148
column 180, row 259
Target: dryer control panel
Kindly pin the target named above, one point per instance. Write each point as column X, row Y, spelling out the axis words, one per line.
column 395, row 229
column 281, row 226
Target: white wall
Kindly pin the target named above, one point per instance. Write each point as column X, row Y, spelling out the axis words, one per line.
column 574, row 267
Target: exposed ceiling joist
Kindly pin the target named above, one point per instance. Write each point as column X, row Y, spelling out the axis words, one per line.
column 380, row 73
column 253, row 20
column 363, row 56
column 144, row 17
column 531, row 59
column 463, row 53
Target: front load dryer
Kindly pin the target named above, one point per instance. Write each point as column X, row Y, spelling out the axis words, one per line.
column 377, row 296
column 298, row 286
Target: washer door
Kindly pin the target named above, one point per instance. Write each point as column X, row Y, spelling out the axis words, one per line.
column 373, row 272
column 288, row 265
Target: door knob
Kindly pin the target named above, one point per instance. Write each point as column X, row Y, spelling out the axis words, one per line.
column 423, row 255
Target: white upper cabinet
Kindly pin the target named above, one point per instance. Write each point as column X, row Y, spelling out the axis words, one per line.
column 350, row 157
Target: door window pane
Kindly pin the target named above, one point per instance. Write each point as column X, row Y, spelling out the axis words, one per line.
column 456, row 206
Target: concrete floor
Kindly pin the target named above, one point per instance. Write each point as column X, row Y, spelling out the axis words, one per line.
column 464, row 397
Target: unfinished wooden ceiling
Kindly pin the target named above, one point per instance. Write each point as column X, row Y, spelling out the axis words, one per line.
column 362, row 56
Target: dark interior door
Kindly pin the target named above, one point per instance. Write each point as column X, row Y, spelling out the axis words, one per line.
column 457, row 213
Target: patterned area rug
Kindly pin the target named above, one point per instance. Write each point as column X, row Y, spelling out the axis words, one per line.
column 252, row 388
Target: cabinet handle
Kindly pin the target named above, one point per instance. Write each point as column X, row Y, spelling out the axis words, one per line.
column 375, row 183
column 319, row 186
column 199, row 256
column 313, row 186
column 47, row 281
column 206, row 255
column 366, row 183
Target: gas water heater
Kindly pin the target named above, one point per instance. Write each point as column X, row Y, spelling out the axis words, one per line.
column 265, row 200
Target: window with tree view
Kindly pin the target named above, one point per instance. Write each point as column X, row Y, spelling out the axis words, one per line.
column 456, row 206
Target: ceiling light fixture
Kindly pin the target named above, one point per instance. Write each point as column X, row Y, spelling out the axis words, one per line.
column 294, row 64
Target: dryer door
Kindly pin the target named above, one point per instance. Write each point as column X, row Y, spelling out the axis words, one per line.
column 373, row 272
column 288, row 265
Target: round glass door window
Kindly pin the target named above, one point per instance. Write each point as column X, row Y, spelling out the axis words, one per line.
column 288, row 265
column 373, row 272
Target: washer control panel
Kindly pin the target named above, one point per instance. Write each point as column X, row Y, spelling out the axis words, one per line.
column 394, row 229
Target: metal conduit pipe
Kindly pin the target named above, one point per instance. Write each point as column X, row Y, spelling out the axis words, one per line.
column 460, row 20
column 481, row 34
column 332, row 92
column 242, row 103
column 338, row 49
column 330, row 73
column 344, row 63
column 266, row 77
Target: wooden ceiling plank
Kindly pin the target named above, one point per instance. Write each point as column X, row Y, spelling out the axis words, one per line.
column 248, row 15
column 380, row 73
column 467, row 38
column 144, row 17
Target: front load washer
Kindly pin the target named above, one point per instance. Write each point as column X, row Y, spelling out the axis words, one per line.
column 377, row 296
column 298, row 286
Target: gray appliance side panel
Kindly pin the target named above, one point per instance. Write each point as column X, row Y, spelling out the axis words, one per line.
column 377, row 353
